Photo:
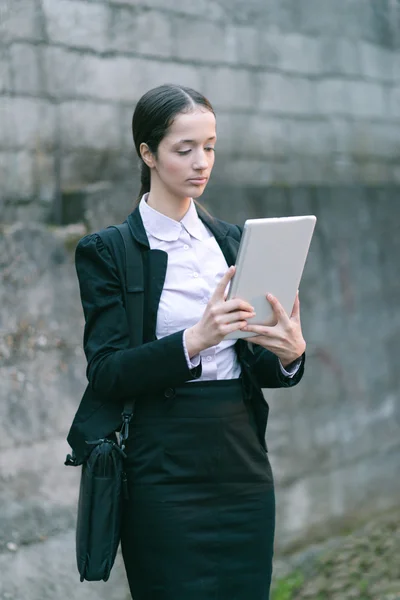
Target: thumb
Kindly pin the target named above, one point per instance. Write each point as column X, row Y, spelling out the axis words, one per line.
column 220, row 289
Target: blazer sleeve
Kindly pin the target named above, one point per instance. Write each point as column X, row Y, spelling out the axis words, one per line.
column 267, row 370
column 113, row 367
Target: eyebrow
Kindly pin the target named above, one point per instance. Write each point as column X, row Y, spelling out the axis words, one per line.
column 214, row 137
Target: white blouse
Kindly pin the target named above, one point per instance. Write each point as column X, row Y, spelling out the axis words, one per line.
column 195, row 266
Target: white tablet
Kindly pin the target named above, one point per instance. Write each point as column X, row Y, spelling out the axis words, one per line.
column 271, row 259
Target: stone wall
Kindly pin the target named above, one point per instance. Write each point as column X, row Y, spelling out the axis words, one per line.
column 333, row 440
column 305, row 92
column 308, row 99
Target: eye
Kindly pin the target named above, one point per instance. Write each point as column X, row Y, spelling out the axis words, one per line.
column 183, row 152
column 210, row 149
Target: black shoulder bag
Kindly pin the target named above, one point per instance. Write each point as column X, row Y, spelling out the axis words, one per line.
column 103, row 483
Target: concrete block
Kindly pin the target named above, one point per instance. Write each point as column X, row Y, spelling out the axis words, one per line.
column 82, row 166
column 262, row 136
column 20, row 21
column 318, row 17
column 45, row 177
column 310, row 137
column 376, row 62
column 26, row 123
column 286, row 94
column 394, row 103
column 291, row 52
column 142, row 31
column 5, row 74
column 342, row 132
column 104, row 204
column 77, row 24
column 360, row 142
column 346, row 170
column 332, row 97
column 243, row 45
column 396, row 174
column 396, row 64
column 116, row 78
column 200, row 41
column 326, row 499
column 13, row 210
column 16, row 175
column 381, row 26
column 283, row 15
column 41, row 494
column 229, row 88
column 89, row 125
column 156, row 73
column 364, row 139
column 73, row 75
column 125, row 126
column 373, row 172
column 366, row 99
column 227, row 127
column 247, row 171
column 25, row 68
column 386, row 139
column 339, row 56
column 47, row 570
column 201, row 8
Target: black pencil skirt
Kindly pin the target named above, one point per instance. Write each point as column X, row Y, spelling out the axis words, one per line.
column 200, row 519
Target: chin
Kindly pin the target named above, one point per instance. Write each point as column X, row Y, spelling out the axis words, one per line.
column 198, row 193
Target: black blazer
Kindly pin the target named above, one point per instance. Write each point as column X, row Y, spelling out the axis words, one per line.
column 115, row 371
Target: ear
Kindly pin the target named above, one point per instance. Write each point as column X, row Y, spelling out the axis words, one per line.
column 147, row 155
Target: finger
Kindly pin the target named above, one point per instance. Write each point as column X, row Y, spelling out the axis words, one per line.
column 232, row 317
column 238, row 304
column 296, row 308
column 278, row 310
column 221, row 286
column 233, row 327
column 261, row 330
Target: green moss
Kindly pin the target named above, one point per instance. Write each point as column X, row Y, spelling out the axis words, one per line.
column 285, row 588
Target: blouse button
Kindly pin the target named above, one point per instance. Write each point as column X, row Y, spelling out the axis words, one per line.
column 186, row 247
column 195, row 274
column 209, row 358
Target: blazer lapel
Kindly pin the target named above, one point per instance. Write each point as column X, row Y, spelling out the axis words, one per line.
column 154, row 268
column 228, row 244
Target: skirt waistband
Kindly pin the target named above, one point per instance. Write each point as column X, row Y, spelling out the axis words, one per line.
column 197, row 399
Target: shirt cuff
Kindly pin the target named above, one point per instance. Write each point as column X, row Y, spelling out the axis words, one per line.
column 291, row 369
column 195, row 360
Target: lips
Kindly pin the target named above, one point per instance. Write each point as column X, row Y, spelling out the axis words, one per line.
column 198, row 180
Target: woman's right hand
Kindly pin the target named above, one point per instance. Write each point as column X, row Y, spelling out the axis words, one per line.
column 219, row 318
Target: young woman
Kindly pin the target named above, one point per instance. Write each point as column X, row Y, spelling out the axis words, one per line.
column 199, row 524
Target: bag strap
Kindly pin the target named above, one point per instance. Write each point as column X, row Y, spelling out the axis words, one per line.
column 134, row 297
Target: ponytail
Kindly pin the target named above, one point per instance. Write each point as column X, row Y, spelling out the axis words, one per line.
column 144, row 180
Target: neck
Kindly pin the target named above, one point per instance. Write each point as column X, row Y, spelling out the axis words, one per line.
column 168, row 204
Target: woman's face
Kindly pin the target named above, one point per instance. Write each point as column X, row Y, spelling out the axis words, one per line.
column 185, row 156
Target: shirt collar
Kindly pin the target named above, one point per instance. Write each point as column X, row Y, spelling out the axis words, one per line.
column 164, row 228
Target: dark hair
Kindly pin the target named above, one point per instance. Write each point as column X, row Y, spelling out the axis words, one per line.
column 154, row 114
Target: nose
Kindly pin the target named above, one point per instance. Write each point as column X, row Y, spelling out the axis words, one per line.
column 200, row 162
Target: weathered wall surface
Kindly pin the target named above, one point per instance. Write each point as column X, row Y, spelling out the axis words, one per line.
column 307, row 95
column 306, row 92
column 333, row 440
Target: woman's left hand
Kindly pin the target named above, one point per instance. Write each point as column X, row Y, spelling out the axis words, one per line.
column 285, row 339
